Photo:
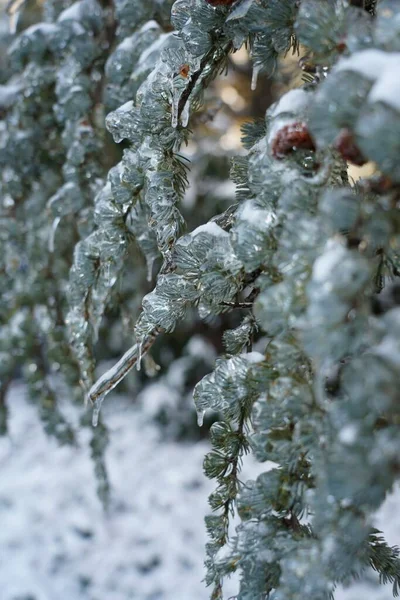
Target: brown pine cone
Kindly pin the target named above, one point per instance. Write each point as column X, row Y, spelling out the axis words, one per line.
column 290, row 138
column 347, row 148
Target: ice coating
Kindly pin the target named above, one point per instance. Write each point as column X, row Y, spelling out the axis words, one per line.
column 381, row 67
column 111, row 378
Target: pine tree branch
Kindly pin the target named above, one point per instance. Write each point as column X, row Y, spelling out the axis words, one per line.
column 239, row 305
column 207, row 59
column 111, row 378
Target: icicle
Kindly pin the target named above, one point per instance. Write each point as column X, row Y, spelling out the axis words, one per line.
column 200, row 417
column 116, row 374
column 52, row 235
column 254, row 78
column 175, row 108
column 150, row 264
column 96, row 410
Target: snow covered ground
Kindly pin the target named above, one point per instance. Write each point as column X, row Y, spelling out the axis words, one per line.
column 56, row 543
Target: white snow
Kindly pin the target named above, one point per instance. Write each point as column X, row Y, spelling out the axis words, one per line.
column 293, row 101
column 222, row 554
column 296, row 102
column 9, row 93
column 389, row 349
column 149, row 25
column 253, row 357
column 73, row 12
column 327, row 261
column 387, row 88
column 45, row 28
column 57, row 543
column 381, row 67
column 210, row 228
column 256, row 216
column 200, row 347
column 55, row 540
column 125, row 107
column 158, row 396
column 348, row 434
column 369, row 63
column 127, row 43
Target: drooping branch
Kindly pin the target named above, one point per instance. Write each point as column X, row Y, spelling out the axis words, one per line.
column 113, row 376
column 207, row 59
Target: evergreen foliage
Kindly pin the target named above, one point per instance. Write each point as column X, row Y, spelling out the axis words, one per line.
column 309, row 379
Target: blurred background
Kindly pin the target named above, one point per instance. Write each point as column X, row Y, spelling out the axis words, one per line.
column 57, row 541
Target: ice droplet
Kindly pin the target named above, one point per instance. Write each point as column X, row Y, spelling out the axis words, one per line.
column 200, row 417
column 96, row 410
column 52, row 235
column 254, row 77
